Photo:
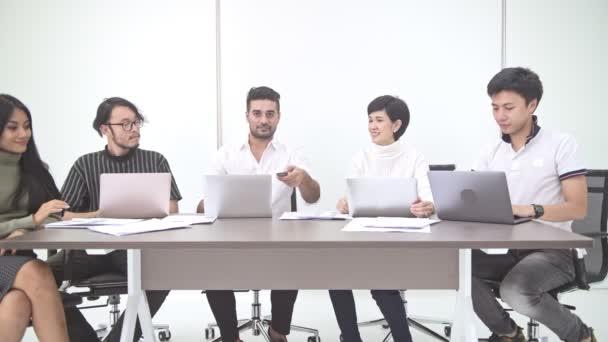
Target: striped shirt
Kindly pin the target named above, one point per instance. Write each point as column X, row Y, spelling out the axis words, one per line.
column 81, row 188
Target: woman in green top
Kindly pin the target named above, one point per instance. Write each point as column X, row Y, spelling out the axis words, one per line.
column 28, row 200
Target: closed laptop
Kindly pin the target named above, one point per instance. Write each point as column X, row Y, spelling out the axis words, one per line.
column 476, row 196
column 238, row 196
column 381, row 196
column 134, row 195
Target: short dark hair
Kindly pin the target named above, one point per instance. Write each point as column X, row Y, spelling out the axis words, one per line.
column 263, row 93
column 105, row 110
column 523, row 81
column 395, row 108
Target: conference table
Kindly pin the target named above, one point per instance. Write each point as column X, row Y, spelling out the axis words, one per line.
column 265, row 253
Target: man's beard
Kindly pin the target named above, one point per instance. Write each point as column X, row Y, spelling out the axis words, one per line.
column 268, row 135
column 126, row 147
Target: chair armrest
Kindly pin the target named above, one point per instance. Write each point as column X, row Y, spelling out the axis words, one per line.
column 597, row 234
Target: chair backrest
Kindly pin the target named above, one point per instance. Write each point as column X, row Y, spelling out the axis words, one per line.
column 595, row 224
column 442, row 167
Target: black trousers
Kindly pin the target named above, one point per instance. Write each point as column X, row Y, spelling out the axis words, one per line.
column 223, row 306
column 85, row 266
column 390, row 304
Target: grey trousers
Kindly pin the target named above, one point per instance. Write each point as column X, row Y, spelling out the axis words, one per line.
column 525, row 277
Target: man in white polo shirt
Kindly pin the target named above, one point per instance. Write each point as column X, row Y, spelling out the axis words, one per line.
column 546, row 182
column 261, row 153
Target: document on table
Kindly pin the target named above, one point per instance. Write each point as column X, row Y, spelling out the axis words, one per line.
column 327, row 215
column 88, row 222
column 189, row 219
column 390, row 224
column 121, row 227
column 152, row 225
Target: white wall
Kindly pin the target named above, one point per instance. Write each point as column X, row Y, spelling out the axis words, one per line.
column 329, row 59
column 566, row 42
column 567, row 46
column 62, row 58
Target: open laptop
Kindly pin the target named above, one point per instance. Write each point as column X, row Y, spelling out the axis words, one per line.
column 238, row 196
column 380, row 196
column 473, row 196
column 134, row 195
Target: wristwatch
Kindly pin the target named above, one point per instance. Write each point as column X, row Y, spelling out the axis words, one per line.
column 538, row 210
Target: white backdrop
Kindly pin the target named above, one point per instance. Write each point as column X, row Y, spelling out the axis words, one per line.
column 62, row 58
column 328, row 59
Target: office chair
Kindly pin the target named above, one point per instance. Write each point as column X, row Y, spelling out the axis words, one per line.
column 417, row 322
column 110, row 285
column 593, row 267
column 257, row 323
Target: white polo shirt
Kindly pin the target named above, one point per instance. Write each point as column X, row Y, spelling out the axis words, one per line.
column 398, row 159
column 534, row 173
column 239, row 160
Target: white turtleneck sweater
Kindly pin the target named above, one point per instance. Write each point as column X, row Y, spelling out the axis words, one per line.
column 395, row 160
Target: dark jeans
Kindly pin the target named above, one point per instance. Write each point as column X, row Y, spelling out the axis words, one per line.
column 223, row 306
column 390, row 304
column 526, row 277
column 85, row 266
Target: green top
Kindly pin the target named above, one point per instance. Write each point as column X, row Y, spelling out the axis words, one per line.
column 12, row 219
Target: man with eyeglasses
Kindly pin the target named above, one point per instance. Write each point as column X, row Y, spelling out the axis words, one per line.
column 119, row 121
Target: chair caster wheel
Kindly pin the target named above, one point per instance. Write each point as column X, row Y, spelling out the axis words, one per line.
column 317, row 339
column 209, row 333
column 164, row 335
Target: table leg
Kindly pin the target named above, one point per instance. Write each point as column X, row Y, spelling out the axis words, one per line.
column 463, row 328
column 137, row 303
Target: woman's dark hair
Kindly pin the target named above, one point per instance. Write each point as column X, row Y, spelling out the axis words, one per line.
column 36, row 182
column 395, row 108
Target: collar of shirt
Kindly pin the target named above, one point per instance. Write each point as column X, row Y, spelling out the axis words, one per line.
column 274, row 143
column 127, row 156
column 7, row 158
column 533, row 133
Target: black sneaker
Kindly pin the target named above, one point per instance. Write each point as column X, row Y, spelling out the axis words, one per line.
column 518, row 338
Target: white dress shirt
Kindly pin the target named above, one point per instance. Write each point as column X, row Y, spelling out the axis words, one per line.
column 239, row 160
column 398, row 159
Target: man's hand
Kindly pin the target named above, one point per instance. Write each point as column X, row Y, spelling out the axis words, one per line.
column 422, row 208
column 12, row 235
column 295, row 176
column 523, row 210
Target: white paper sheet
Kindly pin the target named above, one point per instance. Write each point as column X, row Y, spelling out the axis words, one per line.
column 327, row 215
column 88, row 222
column 152, row 225
column 368, row 224
column 189, row 219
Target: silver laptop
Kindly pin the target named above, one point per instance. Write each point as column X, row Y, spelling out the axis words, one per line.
column 238, row 196
column 473, row 196
column 380, row 196
column 134, row 195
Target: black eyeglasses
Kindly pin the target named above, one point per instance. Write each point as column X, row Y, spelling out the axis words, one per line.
column 127, row 125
